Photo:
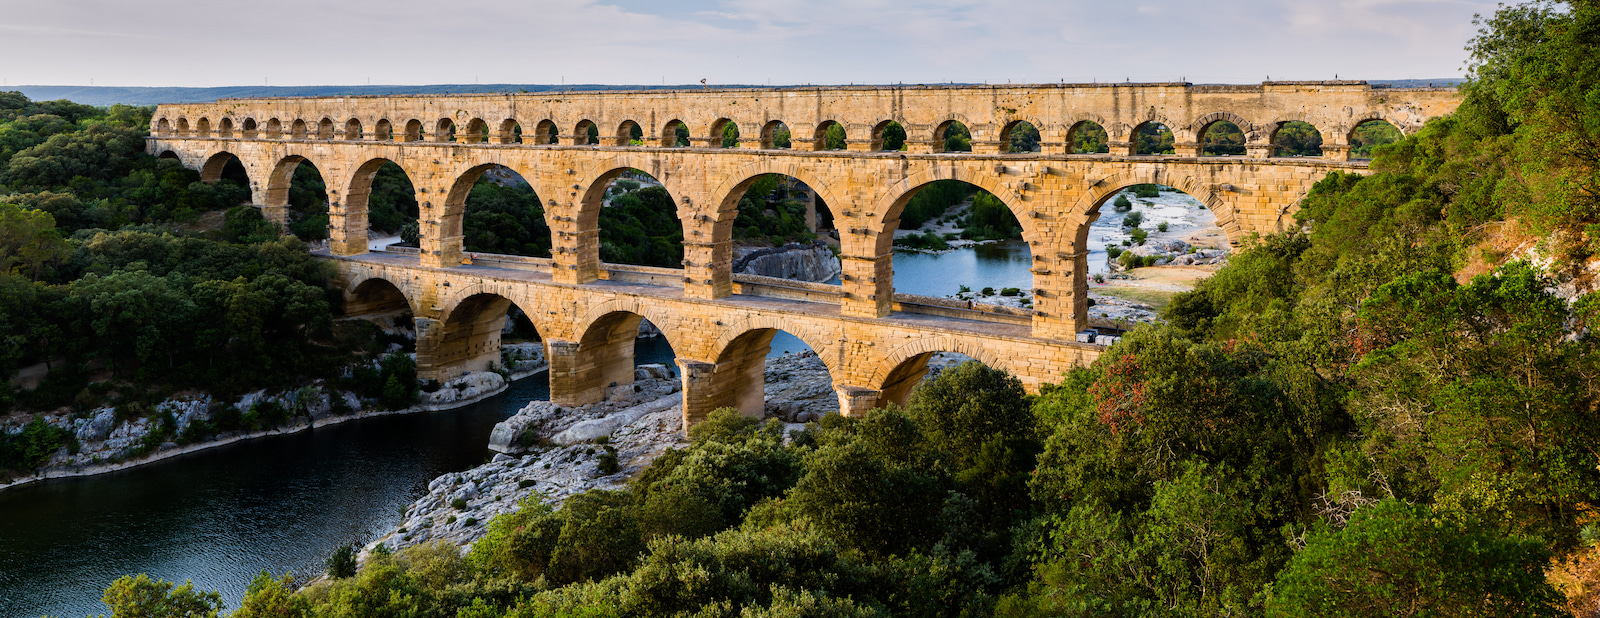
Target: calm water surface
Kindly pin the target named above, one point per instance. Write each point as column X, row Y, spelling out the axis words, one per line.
column 221, row 516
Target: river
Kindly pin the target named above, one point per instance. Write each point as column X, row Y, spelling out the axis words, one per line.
column 220, row 516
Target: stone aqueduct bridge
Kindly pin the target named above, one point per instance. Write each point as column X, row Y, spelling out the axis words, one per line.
column 875, row 343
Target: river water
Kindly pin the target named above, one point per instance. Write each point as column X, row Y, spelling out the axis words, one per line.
column 220, row 516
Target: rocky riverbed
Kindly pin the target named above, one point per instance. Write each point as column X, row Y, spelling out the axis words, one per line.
column 549, row 452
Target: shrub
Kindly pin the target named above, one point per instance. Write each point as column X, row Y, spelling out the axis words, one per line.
column 1162, row 226
column 1122, row 203
column 987, row 292
column 1133, row 219
column 1139, row 235
column 608, row 463
column 1112, row 251
column 342, row 563
column 1147, row 190
column 1010, row 292
column 460, row 504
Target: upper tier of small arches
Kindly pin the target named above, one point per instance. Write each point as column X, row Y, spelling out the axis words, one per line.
column 1051, row 121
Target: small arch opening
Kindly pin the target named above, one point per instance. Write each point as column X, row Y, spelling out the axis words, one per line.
column 1088, row 137
column 1152, row 138
column 775, row 136
column 630, row 134
column 889, row 135
column 413, row 130
column 675, row 134
column 444, row 130
column 384, row 130
column 274, row 128
column 477, row 131
column 586, row 133
column 183, row 127
column 225, row 128
column 830, row 135
column 163, row 127
column 325, row 129
column 1296, row 139
column 510, row 131
column 546, row 133
column 298, row 129
column 728, row 132
column 203, row 128
column 952, row 136
column 249, row 128
column 1369, row 135
column 1222, row 139
column 352, row 129
column 1020, row 136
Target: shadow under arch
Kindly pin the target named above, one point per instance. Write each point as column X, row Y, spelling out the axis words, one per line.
column 604, row 355
column 738, row 381
column 903, row 369
column 376, row 295
column 223, row 161
column 467, row 336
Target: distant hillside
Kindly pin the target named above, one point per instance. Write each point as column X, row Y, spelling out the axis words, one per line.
column 140, row 95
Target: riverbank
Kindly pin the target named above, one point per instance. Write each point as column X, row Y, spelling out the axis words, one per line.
column 549, row 453
column 101, row 443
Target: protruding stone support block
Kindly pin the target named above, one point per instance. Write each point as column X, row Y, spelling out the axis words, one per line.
column 708, row 270
column 1336, row 152
column 918, row 146
column 856, row 401
column 566, row 382
column 1122, row 147
column 576, row 256
column 1188, row 149
column 989, row 147
column 1258, row 151
column 868, row 285
column 858, row 145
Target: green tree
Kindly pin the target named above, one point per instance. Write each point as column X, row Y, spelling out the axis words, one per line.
column 28, row 240
column 1398, row 559
column 833, row 138
column 139, row 597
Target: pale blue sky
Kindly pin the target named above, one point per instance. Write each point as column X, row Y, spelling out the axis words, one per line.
column 321, row 42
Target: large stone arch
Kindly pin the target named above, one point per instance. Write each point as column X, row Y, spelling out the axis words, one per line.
column 821, row 343
column 215, row 161
column 347, row 217
column 895, row 197
column 1203, row 122
column 466, row 335
column 451, row 214
column 598, row 353
column 353, row 292
column 594, row 178
column 903, row 368
column 635, row 306
column 509, row 290
column 1010, row 123
column 1330, row 134
column 1086, row 210
column 737, row 379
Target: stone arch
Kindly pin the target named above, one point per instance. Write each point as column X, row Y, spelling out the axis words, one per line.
column 225, row 128
column 580, row 132
column 182, row 127
column 896, row 196
column 1011, row 126
column 902, row 369
column 352, row 129
column 1082, row 122
column 168, row 154
column 544, row 134
column 594, row 180
column 325, row 128
column 248, row 128
column 163, row 127
column 384, row 130
column 738, row 380
column 1152, row 119
column 451, row 217
column 820, row 135
column 203, row 128
column 1361, row 119
column 211, row 170
column 714, row 133
column 1324, row 133
column 413, row 130
column 466, row 336
column 669, row 133
column 348, row 216
column 371, row 294
column 274, row 128
column 942, row 126
column 298, row 129
column 510, row 132
column 604, row 354
column 477, row 131
column 1199, row 126
column 810, row 337
column 625, row 131
column 634, row 306
column 1086, row 210
column 726, row 195
column 879, row 140
column 767, row 131
column 444, row 130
